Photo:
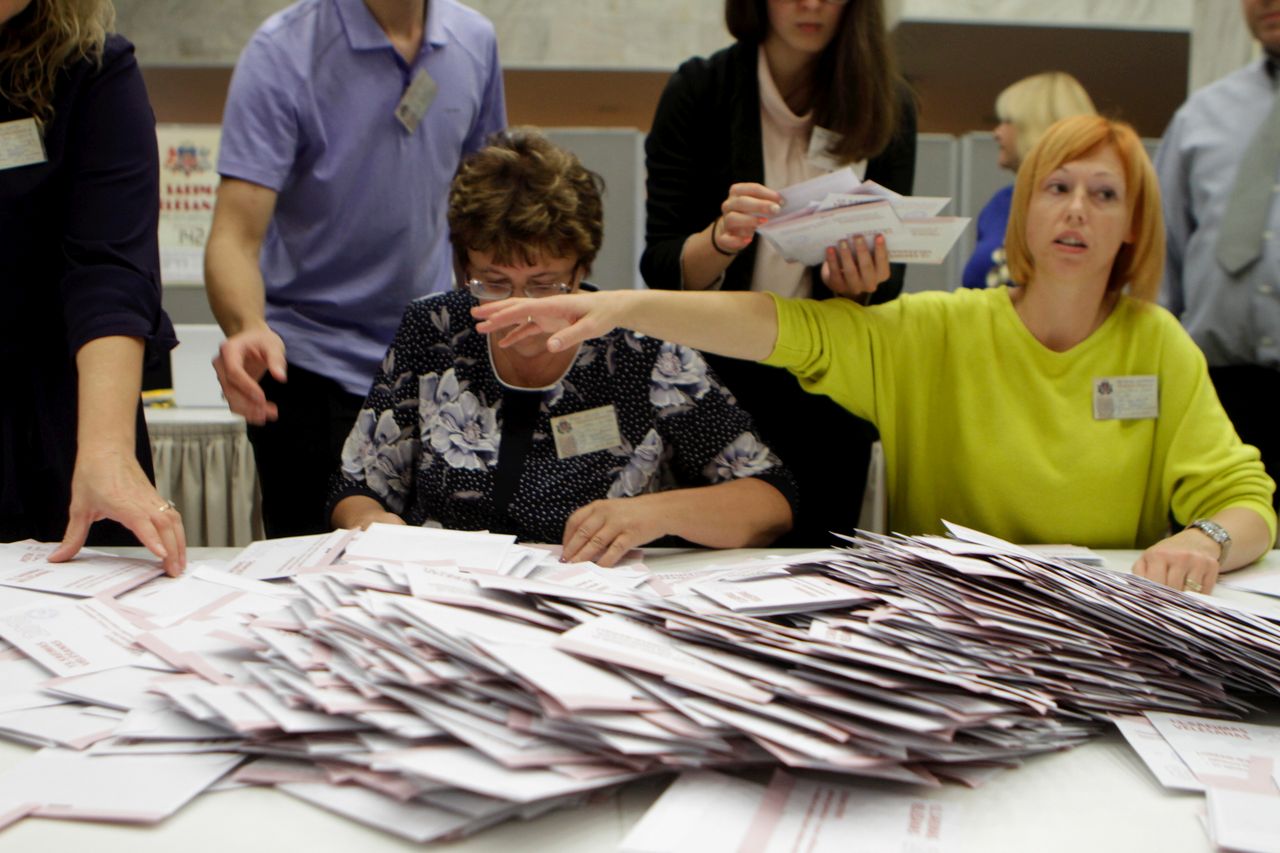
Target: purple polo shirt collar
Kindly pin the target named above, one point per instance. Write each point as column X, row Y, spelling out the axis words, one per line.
column 363, row 32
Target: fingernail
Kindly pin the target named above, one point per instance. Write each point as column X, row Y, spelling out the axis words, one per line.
column 774, row 209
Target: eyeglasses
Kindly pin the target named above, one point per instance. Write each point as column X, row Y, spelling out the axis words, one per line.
column 493, row 290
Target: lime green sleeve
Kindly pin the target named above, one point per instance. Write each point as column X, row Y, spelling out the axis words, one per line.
column 831, row 346
column 1207, row 467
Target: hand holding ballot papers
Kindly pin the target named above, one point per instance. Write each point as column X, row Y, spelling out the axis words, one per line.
column 822, row 212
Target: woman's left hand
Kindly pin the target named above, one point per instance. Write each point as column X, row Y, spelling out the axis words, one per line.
column 113, row 485
column 605, row 530
column 853, row 268
column 1187, row 560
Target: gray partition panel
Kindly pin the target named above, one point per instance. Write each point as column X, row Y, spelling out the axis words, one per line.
column 618, row 155
column 937, row 174
column 980, row 177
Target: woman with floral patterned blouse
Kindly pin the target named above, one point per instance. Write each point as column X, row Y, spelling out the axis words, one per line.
column 614, row 444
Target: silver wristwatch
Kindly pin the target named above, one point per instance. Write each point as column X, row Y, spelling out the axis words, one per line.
column 1217, row 533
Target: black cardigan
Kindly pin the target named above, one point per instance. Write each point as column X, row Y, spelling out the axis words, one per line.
column 706, row 137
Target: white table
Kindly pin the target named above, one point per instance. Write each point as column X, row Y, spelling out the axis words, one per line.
column 1097, row 798
column 204, row 464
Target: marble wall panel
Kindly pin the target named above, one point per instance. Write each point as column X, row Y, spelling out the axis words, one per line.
column 653, row 34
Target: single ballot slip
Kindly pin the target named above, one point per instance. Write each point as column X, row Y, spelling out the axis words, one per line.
column 823, row 817
column 74, row 637
column 924, row 241
column 25, row 565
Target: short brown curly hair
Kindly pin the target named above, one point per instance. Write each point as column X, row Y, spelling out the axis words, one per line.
column 522, row 197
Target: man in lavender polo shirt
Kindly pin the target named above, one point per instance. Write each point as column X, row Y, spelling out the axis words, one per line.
column 344, row 125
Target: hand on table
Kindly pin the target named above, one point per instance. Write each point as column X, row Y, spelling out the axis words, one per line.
column 240, row 364
column 1186, row 561
column 113, row 485
column 604, row 531
column 854, row 269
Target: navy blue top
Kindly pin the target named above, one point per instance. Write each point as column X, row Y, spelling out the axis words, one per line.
column 992, row 223
column 78, row 261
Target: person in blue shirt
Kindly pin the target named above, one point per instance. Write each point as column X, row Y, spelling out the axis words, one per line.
column 1024, row 111
column 345, row 122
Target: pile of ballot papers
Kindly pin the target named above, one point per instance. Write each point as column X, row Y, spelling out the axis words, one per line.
column 825, row 210
column 432, row 683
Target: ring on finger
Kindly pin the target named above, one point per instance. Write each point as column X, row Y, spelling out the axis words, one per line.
column 168, row 505
column 1191, row 585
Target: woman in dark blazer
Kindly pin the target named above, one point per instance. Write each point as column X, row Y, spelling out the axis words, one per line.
column 79, row 272
column 809, row 86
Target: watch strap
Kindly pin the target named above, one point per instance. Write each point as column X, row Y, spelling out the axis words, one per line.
column 1217, row 533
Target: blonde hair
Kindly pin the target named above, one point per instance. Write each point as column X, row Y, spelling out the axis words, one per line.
column 1035, row 102
column 42, row 40
column 1140, row 262
column 522, row 197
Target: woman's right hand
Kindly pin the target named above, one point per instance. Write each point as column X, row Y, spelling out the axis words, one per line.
column 240, row 364
column 569, row 320
column 746, row 209
column 357, row 512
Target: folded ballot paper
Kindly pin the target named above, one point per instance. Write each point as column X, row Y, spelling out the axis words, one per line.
column 823, row 211
column 1236, row 765
column 433, row 683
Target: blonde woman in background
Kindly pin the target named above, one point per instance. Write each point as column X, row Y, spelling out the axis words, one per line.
column 1024, row 111
column 79, row 264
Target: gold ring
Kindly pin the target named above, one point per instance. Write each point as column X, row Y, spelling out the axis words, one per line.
column 1192, row 586
column 529, row 319
column 168, row 505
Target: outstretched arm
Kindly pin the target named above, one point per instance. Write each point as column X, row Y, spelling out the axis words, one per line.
column 740, row 325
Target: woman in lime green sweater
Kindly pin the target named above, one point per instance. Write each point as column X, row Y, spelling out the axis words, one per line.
column 1100, row 424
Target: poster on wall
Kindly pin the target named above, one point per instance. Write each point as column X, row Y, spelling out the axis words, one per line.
column 188, row 185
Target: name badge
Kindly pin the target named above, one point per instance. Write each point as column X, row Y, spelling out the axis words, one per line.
column 1124, row 398
column 416, row 100
column 586, row 432
column 20, row 144
column 820, row 142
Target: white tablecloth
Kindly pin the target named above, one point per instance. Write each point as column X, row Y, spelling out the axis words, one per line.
column 204, row 464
